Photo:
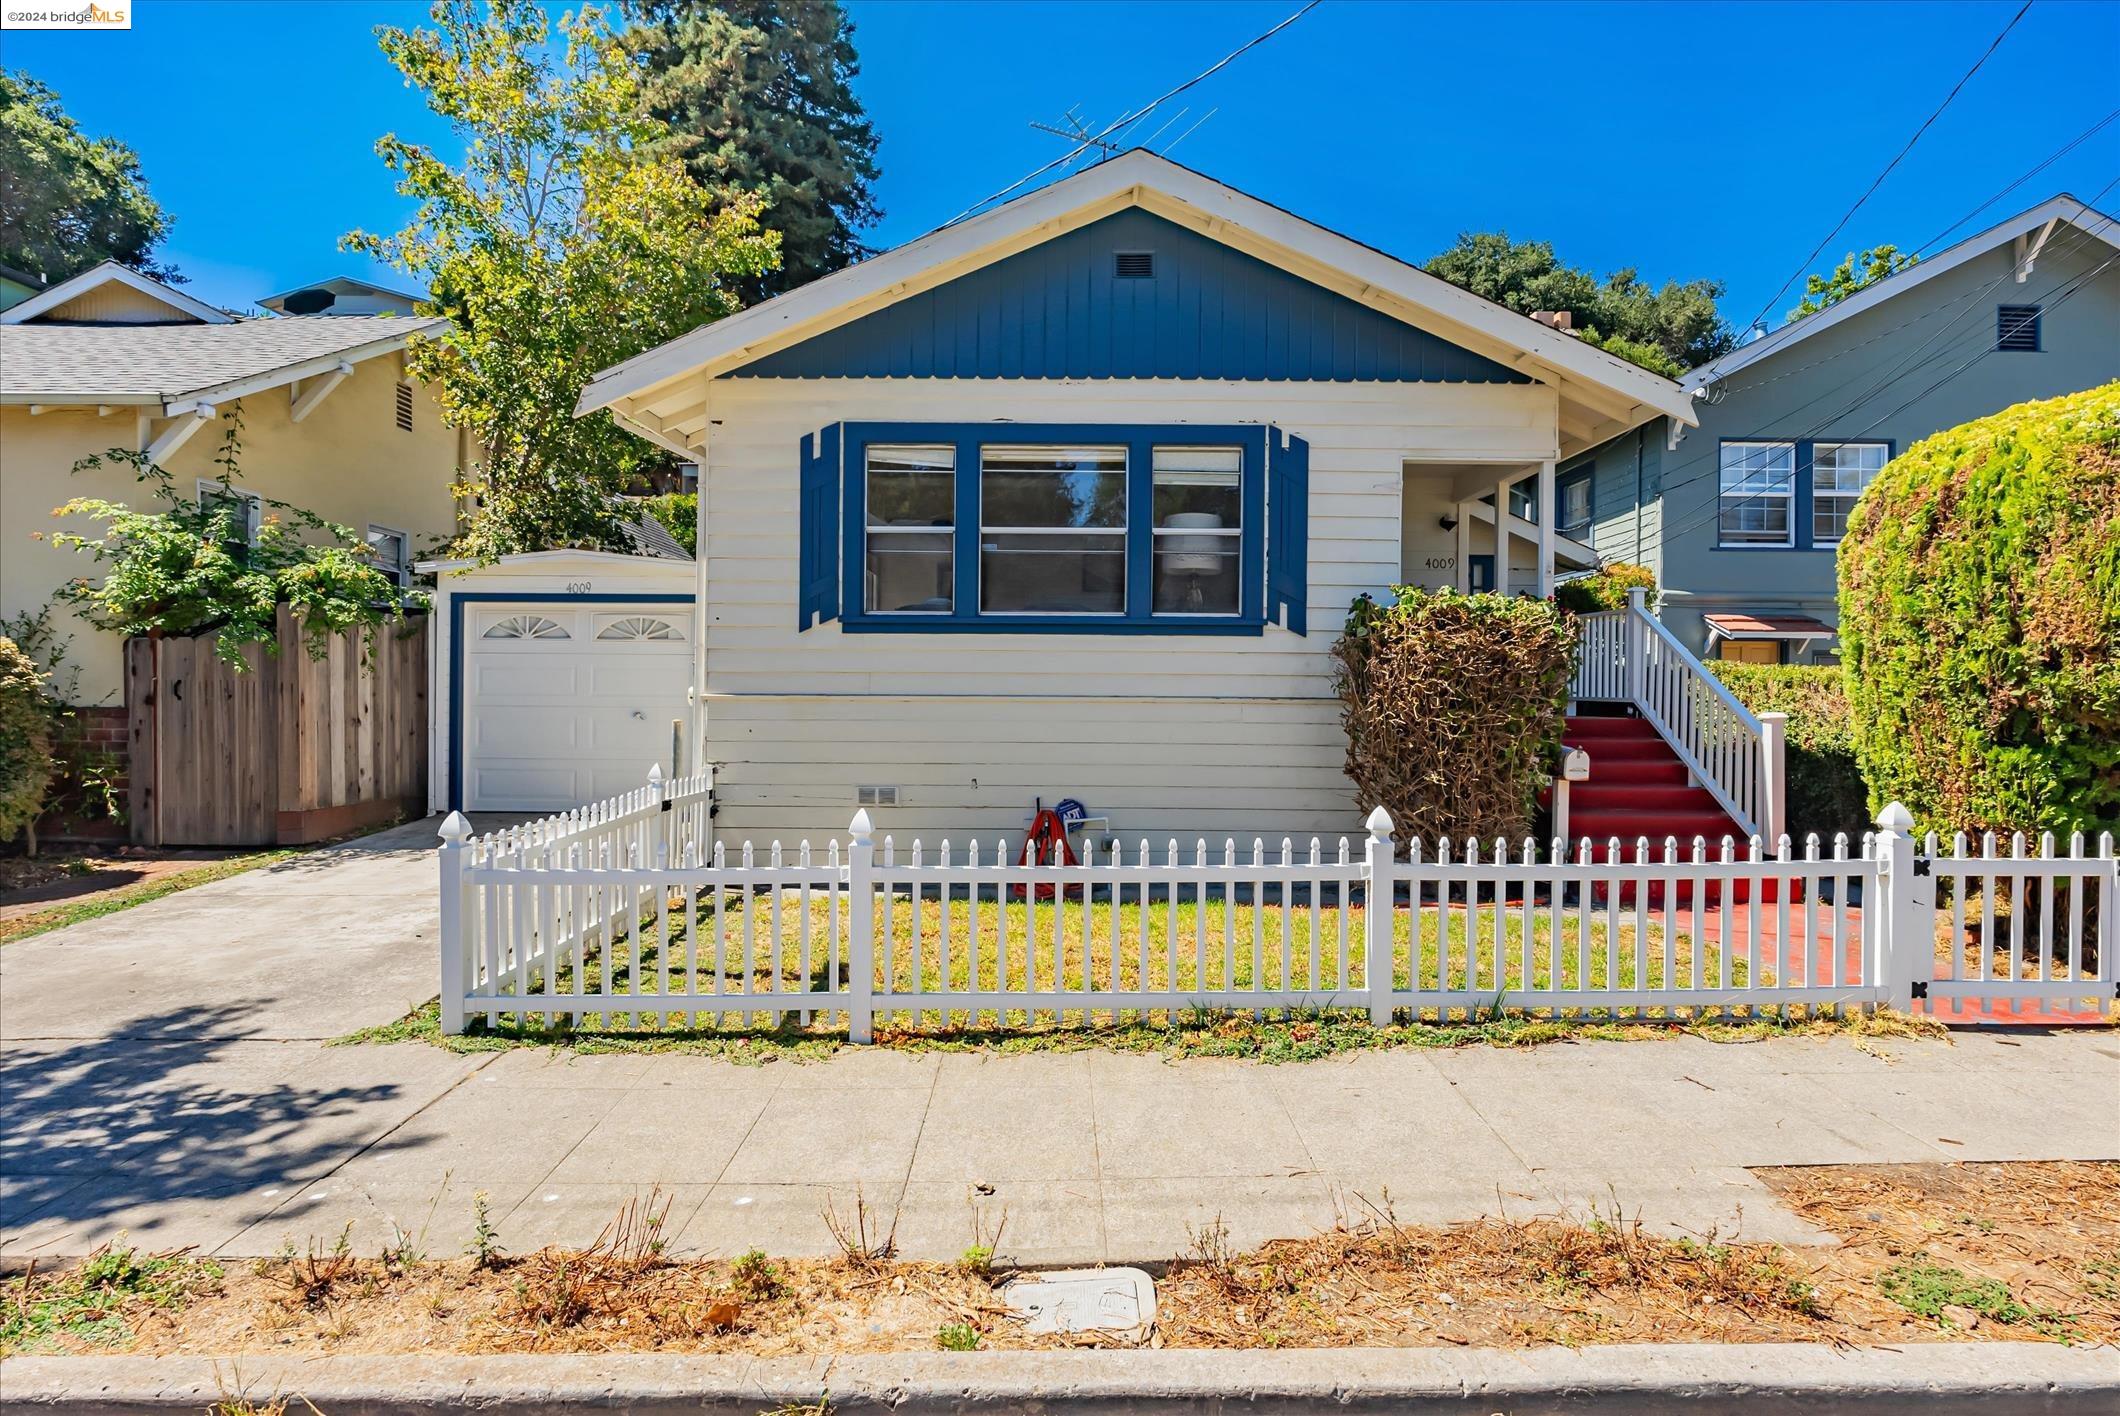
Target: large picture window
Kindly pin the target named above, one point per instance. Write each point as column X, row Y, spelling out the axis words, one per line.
column 910, row 549
column 1758, row 492
column 1052, row 530
column 1839, row 472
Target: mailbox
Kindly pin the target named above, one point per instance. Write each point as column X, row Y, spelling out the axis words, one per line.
column 1575, row 765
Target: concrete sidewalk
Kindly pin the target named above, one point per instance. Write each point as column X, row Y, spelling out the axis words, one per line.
column 238, row 1146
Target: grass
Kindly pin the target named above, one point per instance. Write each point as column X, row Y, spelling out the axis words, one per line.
column 98, row 1304
column 1950, row 1295
column 64, row 913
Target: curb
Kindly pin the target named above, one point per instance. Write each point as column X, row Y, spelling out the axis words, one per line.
column 1997, row 1377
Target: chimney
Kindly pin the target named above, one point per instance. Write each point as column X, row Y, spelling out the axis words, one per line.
column 1563, row 320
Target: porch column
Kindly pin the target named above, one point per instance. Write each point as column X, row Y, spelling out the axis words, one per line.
column 1501, row 536
column 1464, row 547
column 1546, row 517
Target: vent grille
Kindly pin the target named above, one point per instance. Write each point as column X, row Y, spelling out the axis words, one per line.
column 2017, row 329
column 1135, row 265
column 404, row 406
column 876, row 796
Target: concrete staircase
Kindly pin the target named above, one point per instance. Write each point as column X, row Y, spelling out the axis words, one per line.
column 1638, row 788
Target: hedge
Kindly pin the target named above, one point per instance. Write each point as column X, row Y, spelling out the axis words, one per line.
column 1453, row 708
column 25, row 740
column 1605, row 588
column 1826, row 791
column 1980, row 621
column 679, row 514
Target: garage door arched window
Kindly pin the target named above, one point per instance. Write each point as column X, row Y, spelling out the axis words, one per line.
column 527, row 627
column 639, row 627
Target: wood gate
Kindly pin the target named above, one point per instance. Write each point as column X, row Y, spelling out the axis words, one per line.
column 289, row 749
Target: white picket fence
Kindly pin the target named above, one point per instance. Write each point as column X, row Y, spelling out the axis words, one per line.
column 1628, row 656
column 630, row 915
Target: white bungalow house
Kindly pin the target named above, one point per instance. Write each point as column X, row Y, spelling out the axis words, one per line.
column 1069, row 500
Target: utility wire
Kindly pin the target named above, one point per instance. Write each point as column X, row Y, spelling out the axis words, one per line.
column 1126, row 120
column 1871, row 191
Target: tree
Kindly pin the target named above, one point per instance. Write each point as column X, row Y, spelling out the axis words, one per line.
column 758, row 96
column 69, row 201
column 1667, row 330
column 562, row 244
column 1857, row 270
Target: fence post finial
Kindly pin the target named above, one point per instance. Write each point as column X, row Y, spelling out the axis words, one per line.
column 1379, row 891
column 455, row 832
column 1895, row 817
column 860, row 828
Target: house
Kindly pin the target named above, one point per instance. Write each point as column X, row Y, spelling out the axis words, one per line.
column 112, row 358
column 1739, row 517
column 1070, row 499
column 17, row 286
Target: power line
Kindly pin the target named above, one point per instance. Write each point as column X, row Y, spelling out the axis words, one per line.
column 1126, row 120
column 1871, row 191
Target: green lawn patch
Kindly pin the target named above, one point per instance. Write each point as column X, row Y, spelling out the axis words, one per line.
column 96, row 1302
column 65, row 912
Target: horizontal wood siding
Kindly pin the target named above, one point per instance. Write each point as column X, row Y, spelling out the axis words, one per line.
column 1167, row 733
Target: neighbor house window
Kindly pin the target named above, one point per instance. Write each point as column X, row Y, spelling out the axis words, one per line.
column 1052, row 530
column 214, row 494
column 2017, row 329
column 1199, row 530
column 393, row 553
column 912, row 518
column 1839, row 472
column 1574, row 516
column 1758, row 488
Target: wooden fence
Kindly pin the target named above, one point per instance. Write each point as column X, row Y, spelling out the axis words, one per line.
column 289, row 749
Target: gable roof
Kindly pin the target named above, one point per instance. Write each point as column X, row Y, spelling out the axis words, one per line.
column 2034, row 227
column 654, row 393
column 182, row 307
column 347, row 286
column 180, row 366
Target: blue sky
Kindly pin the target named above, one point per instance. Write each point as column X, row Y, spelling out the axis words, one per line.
column 1686, row 140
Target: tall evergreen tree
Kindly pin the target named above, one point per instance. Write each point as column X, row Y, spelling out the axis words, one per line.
column 69, row 201
column 758, row 97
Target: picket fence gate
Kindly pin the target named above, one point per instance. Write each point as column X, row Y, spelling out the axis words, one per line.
column 630, row 912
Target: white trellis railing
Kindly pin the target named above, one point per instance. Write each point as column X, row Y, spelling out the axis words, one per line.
column 1628, row 656
column 629, row 916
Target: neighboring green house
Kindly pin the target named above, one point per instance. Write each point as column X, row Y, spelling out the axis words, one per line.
column 16, row 286
column 1739, row 517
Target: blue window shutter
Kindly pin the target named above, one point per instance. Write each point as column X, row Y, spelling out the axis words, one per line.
column 819, row 538
column 1287, row 530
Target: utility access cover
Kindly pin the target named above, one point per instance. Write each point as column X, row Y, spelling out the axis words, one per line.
column 1121, row 1300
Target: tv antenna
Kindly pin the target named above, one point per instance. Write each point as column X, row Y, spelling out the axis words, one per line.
column 1079, row 133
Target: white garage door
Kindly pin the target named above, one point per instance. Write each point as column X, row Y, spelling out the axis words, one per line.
column 569, row 704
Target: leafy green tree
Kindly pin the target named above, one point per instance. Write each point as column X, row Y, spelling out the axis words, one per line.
column 1667, row 329
column 758, row 96
column 1856, row 271
column 69, row 201
column 561, row 244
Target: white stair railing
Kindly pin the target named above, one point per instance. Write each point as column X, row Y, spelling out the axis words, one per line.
column 1628, row 656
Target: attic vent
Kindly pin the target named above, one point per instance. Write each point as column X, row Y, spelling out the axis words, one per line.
column 876, row 796
column 404, row 406
column 309, row 302
column 2017, row 329
column 1135, row 265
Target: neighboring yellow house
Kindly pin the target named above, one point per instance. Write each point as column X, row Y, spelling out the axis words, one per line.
column 112, row 358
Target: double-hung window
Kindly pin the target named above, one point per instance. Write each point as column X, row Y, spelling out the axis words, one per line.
column 246, row 508
column 1758, row 493
column 1839, row 472
column 393, row 553
column 1573, row 516
column 910, row 550
column 1054, row 528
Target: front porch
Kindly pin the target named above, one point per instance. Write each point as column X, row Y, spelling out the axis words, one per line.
column 1483, row 526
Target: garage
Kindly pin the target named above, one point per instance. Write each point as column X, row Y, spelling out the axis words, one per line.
column 561, row 677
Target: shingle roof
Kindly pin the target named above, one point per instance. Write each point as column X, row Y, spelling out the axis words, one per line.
column 58, row 363
column 650, row 537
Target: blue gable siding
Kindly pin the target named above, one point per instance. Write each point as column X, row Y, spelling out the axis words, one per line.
column 1059, row 310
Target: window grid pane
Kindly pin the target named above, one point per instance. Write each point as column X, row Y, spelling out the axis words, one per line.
column 1199, row 531
column 1758, row 486
column 1839, row 473
column 910, row 508
column 1052, row 530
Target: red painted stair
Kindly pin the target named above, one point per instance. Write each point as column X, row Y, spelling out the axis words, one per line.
column 1638, row 788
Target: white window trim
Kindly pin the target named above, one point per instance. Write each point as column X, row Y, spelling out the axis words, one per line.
column 212, row 489
column 1723, row 493
column 1230, row 533
column 1120, row 532
column 402, row 570
column 870, row 528
column 1837, row 495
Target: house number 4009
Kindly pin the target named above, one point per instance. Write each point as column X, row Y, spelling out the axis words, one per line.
column 578, row 587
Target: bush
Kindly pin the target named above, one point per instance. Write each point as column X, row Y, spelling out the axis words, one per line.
column 679, row 514
column 1453, row 708
column 1604, row 589
column 1826, row 791
column 1980, row 621
column 26, row 764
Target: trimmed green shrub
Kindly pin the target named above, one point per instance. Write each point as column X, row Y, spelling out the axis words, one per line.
column 25, row 740
column 1980, row 621
column 679, row 514
column 1453, row 708
column 1604, row 589
column 1826, row 791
